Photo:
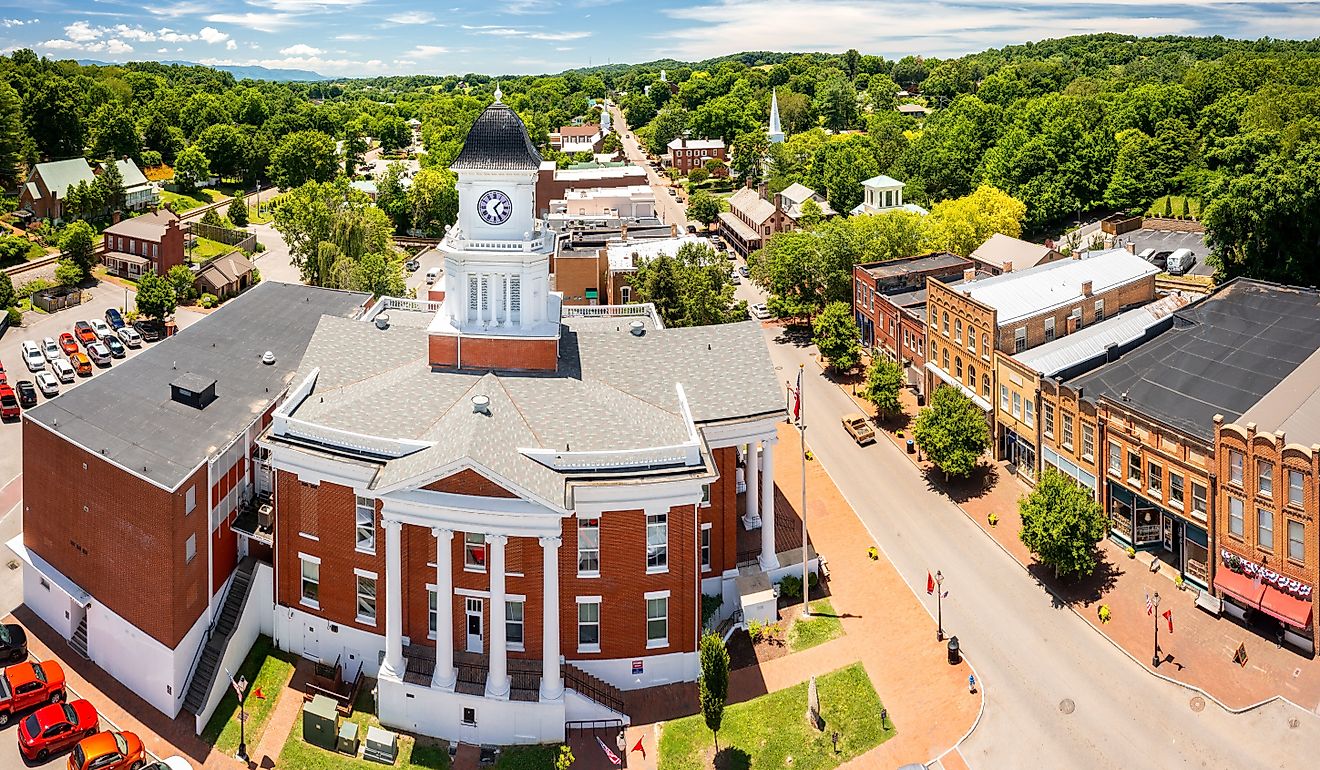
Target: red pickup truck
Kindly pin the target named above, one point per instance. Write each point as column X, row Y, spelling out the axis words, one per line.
column 26, row 685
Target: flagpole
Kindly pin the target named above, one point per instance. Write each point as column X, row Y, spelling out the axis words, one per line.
column 802, row 446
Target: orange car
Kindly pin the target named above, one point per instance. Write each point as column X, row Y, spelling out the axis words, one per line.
column 81, row 364
column 109, row 750
column 68, row 344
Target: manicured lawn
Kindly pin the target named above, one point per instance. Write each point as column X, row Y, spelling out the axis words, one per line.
column 1158, row 208
column 772, row 730
column 304, row 756
column 823, row 626
column 207, row 248
column 182, row 203
column 265, row 667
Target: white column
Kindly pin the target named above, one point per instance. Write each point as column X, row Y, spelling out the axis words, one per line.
column 753, row 480
column 488, row 313
column 445, row 675
column 552, row 686
column 522, row 302
column 497, row 679
column 393, row 599
column 508, row 301
column 768, row 559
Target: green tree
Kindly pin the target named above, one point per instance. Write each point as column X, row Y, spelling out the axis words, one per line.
column 12, row 138
column 238, row 211
column 667, row 126
column 226, row 147
column 212, row 218
column 78, row 245
column 68, row 273
column 811, row 214
column 181, row 281
column 393, row 133
column 689, row 288
column 836, row 102
column 318, row 215
column 837, row 337
column 190, row 167
column 749, row 151
column 703, row 207
column 53, row 116
column 115, row 133
column 884, row 382
column 952, row 431
column 110, row 186
column 155, row 297
column 1061, row 525
column 379, row 273
column 6, row 290
column 713, row 684
column 392, row 197
column 698, row 175
column 433, row 200
column 961, row 225
column 301, row 157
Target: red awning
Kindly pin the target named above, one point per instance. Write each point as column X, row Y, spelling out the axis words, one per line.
column 1291, row 610
column 1240, row 587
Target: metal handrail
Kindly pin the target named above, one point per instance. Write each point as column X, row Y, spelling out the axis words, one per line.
column 576, row 681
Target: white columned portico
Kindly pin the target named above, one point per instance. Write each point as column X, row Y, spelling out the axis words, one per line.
column 552, row 685
column 445, row 675
column 768, row 559
column 753, row 513
column 393, row 599
column 497, row 678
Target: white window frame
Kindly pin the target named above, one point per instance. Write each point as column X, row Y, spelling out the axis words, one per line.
column 660, row 600
column 1017, row 405
column 707, row 534
column 1201, row 501
column 1067, row 431
column 1088, row 441
column 591, row 553
column 1049, row 329
column 1264, row 478
column 1263, row 532
column 1099, row 310
column 1236, row 515
column 1180, row 487
column 589, row 647
column 1019, row 339
column 520, row 623
column 657, row 542
column 359, row 576
column 1236, row 463
column 470, row 564
column 364, row 540
column 432, row 610
column 303, row 581
column 1155, row 479
column 625, row 294
column 1115, row 463
column 1047, row 416
column 1300, row 540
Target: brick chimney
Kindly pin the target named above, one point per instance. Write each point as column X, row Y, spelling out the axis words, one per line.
column 1070, row 325
column 969, row 274
column 1008, row 266
column 1086, row 288
column 1132, row 247
column 114, row 217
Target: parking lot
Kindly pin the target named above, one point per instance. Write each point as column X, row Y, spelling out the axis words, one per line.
column 1165, row 240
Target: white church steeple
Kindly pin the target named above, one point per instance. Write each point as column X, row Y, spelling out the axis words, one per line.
column 776, row 132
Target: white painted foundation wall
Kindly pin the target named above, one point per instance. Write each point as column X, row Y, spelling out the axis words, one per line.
column 318, row 639
column 258, row 616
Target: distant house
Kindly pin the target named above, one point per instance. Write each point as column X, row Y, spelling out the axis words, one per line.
column 151, row 243
column 1003, row 254
column 884, row 193
column 915, row 110
column 225, row 276
column 47, row 186
column 793, row 196
column 574, row 139
column 687, row 154
column 751, row 220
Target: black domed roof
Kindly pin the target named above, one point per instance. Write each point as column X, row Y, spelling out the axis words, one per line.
column 498, row 140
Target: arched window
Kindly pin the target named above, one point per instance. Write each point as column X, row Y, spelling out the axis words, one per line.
column 945, row 359
column 957, row 331
column 957, row 365
column 985, row 385
column 971, row 376
column 946, row 323
column 985, row 346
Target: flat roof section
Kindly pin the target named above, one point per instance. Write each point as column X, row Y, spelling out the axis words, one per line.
column 898, row 267
column 1019, row 295
column 1222, row 356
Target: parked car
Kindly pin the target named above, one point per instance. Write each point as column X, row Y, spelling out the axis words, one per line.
column 54, row 728
column 1180, row 261
column 130, row 337
column 99, row 353
column 859, row 428
column 735, row 279
column 692, row 229
column 112, row 342
column 48, row 384
column 759, row 311
column 27, row 394
column 110, row 750
column 51, row 349
column 81, row 364
column 412, row 265
column 432, row 275
column 33, row 357
column 1160, row 259
column 100, row 327
column 64, row 370
column 13, row 643
column 84, row 332
column 744, row 271
column 170, row 763
column 27, row 685
column 672, row 191
column 151, row 331
column 68, row 345
column 9, row 409
column 113, row 317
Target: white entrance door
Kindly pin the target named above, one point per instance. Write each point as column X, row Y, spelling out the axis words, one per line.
column 474, row 625
column 312, row 643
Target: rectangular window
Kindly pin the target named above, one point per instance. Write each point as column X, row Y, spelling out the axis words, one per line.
column 1134, row 469
column 657, row 621
column 366, row 524
column 366, row 599
column 588, row 546
column 1049, row 329
column 957, row 331
column 657, row 542
column 513, row 623
column 1295, row 481
column 1099, row 310
column 1017, row 404
column 705, row 495
column 474, row 551
column 1155, row 479
column 705, row 547
column 1030, row 413
column 1235, row 467
column 1115, row 459
column 589, row 626
column 625, row 294
column 1003, row 397
column 1047, row 414
column 432, row 614
column 190, row 549
column 1235, row 527
column 1175, row 490
column 1296, row 541
column 1067, row 420
column 1088, row 441
column 1265, row 528
column 190, row 500
column 1198, row 499
column 1264, row 478
column 1020, row 339
column 311, row 581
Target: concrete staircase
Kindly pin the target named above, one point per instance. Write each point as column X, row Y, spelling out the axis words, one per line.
column 204, row 674
column 79, row 639
column 593, row 688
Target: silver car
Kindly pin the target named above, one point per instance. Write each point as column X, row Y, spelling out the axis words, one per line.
column 99, row 353
column 130, row 337
column 51, row 349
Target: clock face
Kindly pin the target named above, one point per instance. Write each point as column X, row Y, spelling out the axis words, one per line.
column 494, row 207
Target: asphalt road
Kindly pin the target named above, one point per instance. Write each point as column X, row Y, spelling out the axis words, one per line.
column 667, row 206
column 1031, row 654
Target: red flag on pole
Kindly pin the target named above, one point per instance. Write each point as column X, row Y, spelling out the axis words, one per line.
column 639, row 747
column 1168, row 615
column 258, row 694
column 930, row 583
column 614, row 758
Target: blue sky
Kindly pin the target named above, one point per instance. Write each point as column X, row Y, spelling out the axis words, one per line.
column 371, row 37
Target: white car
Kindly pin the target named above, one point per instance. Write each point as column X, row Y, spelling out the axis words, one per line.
column 100, row 327
column 64, row 370
column 130, row 337
column 33, row 357
column 51, row 349
column 48, row 385
column 99, row 353
column 759, row 312
column 171, row 763
column 735, row 279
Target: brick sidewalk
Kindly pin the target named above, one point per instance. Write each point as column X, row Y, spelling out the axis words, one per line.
column 1200, row 651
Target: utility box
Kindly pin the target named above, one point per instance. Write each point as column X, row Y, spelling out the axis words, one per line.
column 382, row 746
column 348, row 738
column 321, row 723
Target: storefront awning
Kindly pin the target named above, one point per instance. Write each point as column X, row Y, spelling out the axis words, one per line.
column 1289, row 609
column 1240, row 587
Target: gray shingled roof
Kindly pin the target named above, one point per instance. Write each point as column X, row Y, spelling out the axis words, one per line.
column 498, row 140
column 127, row 412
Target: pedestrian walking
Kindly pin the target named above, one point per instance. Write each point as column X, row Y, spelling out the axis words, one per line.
column 971, row 683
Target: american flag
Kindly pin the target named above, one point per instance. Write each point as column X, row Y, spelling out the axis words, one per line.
column 796, row 391
column 1150, row 605
column 614, row 758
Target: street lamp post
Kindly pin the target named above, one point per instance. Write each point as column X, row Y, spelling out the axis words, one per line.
column 1155, row 600
column 939, row 606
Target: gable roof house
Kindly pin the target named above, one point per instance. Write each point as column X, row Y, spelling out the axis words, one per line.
column 44, row 192
column 750, row 220
column 150, row 243
column 1003, row 253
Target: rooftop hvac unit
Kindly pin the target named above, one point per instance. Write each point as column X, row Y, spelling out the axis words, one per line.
column 265, row 515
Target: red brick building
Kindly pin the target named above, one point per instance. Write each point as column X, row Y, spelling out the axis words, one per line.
column 151, row 242
column 686, row 154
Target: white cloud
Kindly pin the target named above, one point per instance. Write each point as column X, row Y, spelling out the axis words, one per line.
column 262, row 22
column 411, row 17
column 213, row 35
column 114, row 45
column 304, row 6
column 425, row 51
column 301, row 49
column 404, row 62
column 558, row 36
column 15, row 22
column 61, row 45
column 162, row 50
column 497, row 30
column 175, row 10
column 81, row 32
column 231, row 45
column 354, row 36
